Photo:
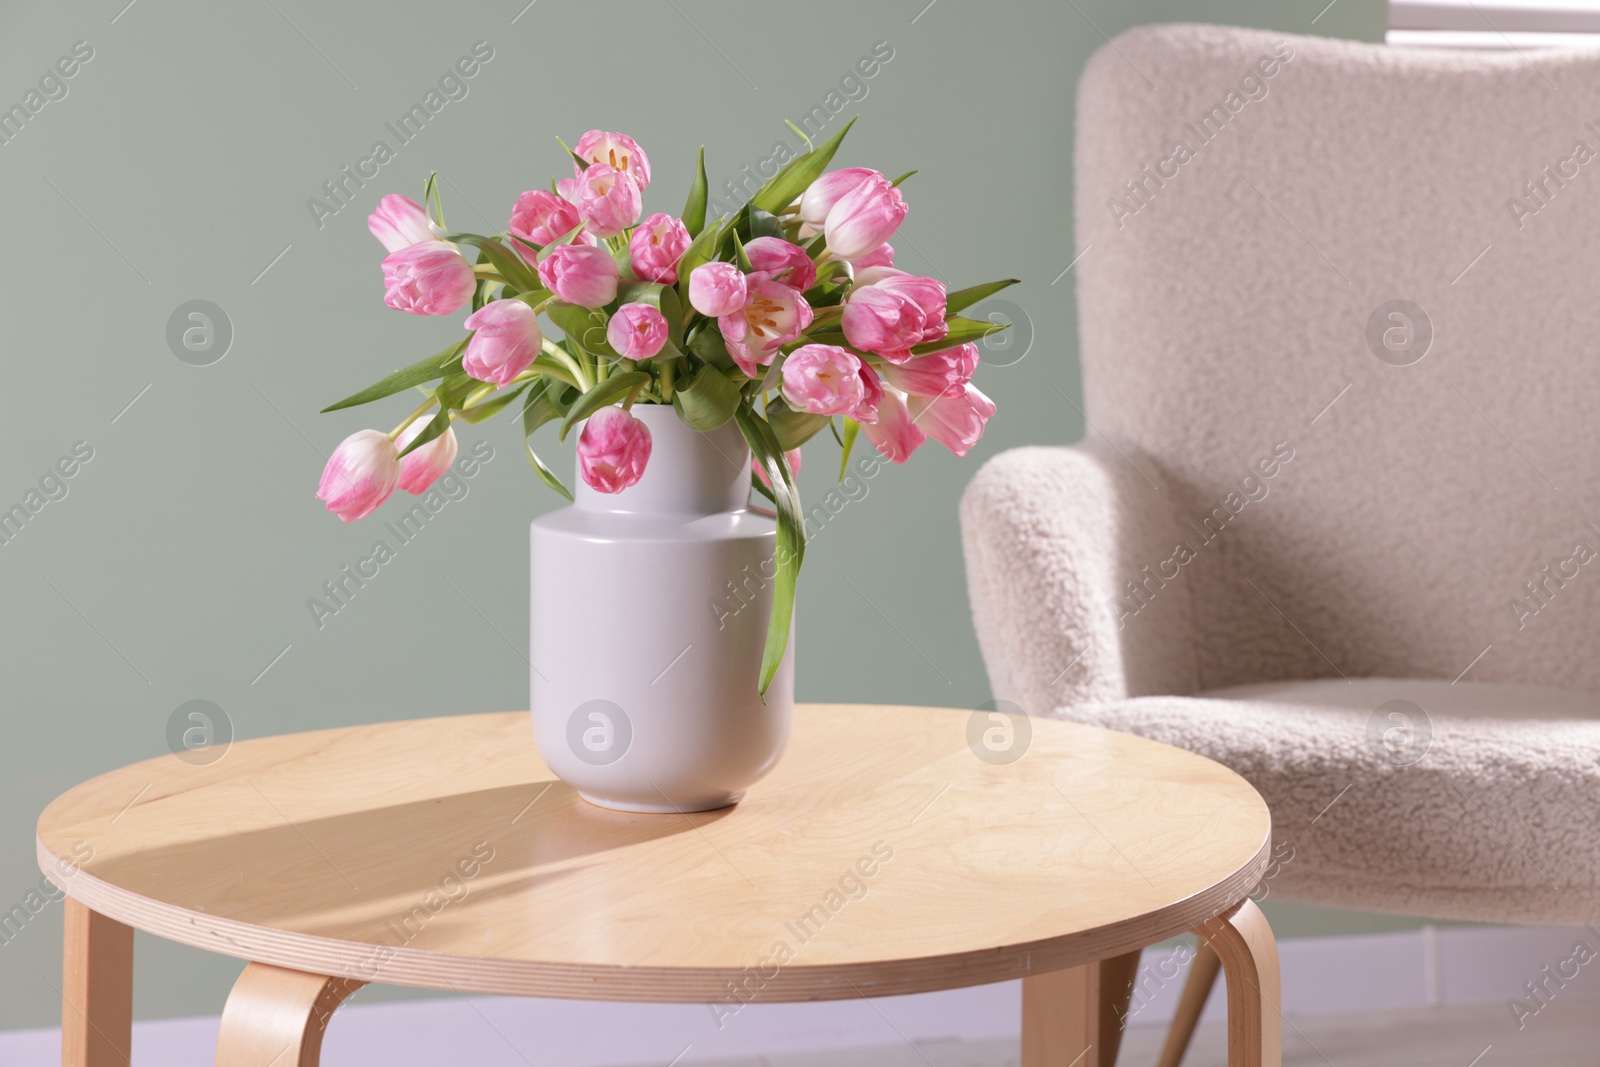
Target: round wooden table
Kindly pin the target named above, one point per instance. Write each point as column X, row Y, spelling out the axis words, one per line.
column 894, row 850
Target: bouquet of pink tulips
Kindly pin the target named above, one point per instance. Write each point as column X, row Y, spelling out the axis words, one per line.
column 789, row 318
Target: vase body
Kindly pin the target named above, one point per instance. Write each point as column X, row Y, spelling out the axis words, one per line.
column 649, row 612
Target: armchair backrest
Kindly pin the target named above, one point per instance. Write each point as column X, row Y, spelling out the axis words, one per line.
column 1344, row 301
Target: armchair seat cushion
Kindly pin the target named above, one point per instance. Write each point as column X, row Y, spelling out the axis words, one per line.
column 1466, row 801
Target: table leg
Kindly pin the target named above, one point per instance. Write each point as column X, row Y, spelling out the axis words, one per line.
column 96, row 990
column 1073, row 1018
column 1196, row 991
column 277, row 1017
column 1243, row 941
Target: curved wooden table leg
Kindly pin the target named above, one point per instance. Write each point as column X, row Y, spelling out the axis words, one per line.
column 276, row 1017
column 1074, row 1018
column 96, row 990
column 1243, row 941
column 1196, row 991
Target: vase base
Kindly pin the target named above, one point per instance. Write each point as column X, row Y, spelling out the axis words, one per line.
column 726, row 800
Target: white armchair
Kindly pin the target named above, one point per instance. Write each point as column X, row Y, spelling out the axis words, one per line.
column 1335, row 522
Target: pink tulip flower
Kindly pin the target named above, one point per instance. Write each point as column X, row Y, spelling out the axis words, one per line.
column 826, row 191
column 613, row 450
column 637, row 331
column 541, row 218
column 360, row 474
column 717, row 289
column 793, row 458
column 823, row 380
column 872, row 395
column 427, row 278
column 787, row 263
column 608, row 200
column 506, row 340
column 895, row 435
column 655, row 248
column 580, row 274
column 422, row 467
column 399, row 223
column 618, row 151
column 955, row 421
column 864, row 218
column 774, row 315
column 882, row 256
column 936, row 373
column 887, row 311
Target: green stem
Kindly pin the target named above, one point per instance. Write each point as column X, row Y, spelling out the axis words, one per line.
column 421, row 409
column 563, row 357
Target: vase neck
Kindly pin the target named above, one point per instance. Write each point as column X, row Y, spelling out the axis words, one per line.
column 689, row 472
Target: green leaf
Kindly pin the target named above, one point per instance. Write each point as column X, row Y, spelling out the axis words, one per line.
column 585, row 327
column 961, row 331
column 565, row 239
column 793, row 428
column 510, row 265
column 485, row 410
column 438, row 365
column 706, row 399
column 694, row 211
column 450, row 393
column 962, row 299
column 903, row 177
column 710, row 347
column 791, row 538
column 851, row 429
column 741, row 259
column 792, row 180
column 583, row 164
column 546, row 475
column 616, row 386
column 544, row 403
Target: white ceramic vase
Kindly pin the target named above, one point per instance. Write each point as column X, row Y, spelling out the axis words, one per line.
column 649, row 611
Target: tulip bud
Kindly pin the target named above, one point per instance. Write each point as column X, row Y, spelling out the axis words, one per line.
column 888, row 311
column 655, row 248
column 608, row 200
column 399, row 223
column 822, row 380
column 936, row 373
column 613, row 450
column 506, row 339
column 955, row 420
column 580, row 274
column 717, row 289
column 822, row 194
column 360, row 474
column 541, row 218
column 864, row 218
column 785, row 262
column 895, row 434
column 427, row 278
column 423, row 466
column 637, row 331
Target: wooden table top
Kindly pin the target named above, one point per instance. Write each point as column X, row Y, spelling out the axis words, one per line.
column 882, row 856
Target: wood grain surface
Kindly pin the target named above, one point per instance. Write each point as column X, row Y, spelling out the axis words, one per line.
column 881, row 857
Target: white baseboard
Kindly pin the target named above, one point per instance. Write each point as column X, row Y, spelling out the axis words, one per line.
column 1321, row 976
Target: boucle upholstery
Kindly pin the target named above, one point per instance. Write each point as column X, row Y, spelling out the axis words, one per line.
column 1278, row 487
column 1495, row 818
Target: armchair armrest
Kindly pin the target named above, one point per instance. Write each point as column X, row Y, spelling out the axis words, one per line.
column 1076, row 594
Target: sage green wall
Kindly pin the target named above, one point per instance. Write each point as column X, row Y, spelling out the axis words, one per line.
column 178, row 166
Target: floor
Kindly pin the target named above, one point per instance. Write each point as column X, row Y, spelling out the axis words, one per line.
column 1480, row 1036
